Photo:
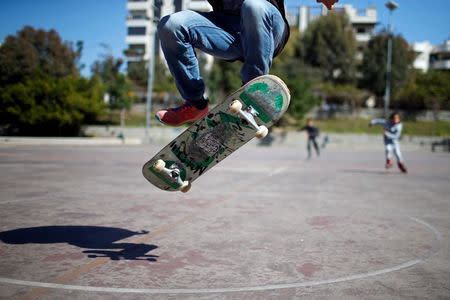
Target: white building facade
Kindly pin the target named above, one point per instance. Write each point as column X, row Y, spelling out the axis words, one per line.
column 363, row 21
column 142, row 20
column 431, row 57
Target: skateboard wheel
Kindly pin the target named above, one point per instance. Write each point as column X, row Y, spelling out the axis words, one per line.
column 185, row 187
column 235, row 107
column 159, row 165
column 262, row 132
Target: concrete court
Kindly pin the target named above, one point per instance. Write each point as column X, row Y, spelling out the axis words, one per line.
column 80, row 222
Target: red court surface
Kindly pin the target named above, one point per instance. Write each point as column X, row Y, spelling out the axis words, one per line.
column 80, row 222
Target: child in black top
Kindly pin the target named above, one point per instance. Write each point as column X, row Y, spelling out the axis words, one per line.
column 313, row 133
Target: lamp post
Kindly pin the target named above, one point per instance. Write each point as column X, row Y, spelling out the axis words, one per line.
column 151, row 68
column 151, row 71
column 391, row 5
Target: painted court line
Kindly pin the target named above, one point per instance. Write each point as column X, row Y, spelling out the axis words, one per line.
column 58, row 283
column 428, row 254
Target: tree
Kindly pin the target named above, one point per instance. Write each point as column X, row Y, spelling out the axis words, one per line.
column 294, row 73
column 41, row 92
column 373, row 67
column 137, row 72
column 42, row 105
column 163, row 79
column 224, row 78
column 118, row 86
column 425, row 91
column 329, row 44
column 345, row 94
column 36, row 50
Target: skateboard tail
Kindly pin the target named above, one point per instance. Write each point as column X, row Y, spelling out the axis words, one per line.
column 269, row 96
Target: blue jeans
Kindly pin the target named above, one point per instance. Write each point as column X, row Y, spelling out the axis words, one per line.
column 251, row 37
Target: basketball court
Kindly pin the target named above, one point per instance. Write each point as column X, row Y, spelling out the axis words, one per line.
column 82, row 222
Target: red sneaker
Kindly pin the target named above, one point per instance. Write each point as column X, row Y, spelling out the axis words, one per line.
column 402, row 168
column 181, row 114
column 388, row 163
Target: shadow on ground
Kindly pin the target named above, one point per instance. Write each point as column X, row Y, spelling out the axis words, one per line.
column 101, row 239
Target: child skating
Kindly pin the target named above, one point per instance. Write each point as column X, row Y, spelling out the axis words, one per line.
column 313, row 133
column 392, row 130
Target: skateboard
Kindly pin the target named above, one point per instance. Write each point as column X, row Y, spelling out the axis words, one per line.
column 246, row 113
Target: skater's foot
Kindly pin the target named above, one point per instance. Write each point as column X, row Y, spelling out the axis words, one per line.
column 388, row 164
column 402, row 168
column 181, row 114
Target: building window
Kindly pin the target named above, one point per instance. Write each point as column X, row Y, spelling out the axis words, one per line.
column 360, row 30
column 136, row 30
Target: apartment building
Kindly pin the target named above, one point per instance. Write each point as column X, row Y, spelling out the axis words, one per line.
column 363, row 21
column 430, row 57
column 144, row 15
column 142, row 20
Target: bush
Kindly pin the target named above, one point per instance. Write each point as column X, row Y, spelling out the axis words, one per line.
column 42, row 105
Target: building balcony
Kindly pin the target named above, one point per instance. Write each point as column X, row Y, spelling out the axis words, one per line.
column 137, row 52
column 444, row 48
column 135, row 58
column 440, row 65
column 137, row 17
column 363, row 37
column 136, row 39
column 137, row 22
column 137, row 5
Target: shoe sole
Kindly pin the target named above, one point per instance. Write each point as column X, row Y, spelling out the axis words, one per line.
column 191, row 120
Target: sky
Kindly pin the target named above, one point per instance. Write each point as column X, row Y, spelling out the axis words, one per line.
column 97, row 22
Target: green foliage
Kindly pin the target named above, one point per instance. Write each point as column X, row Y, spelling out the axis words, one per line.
column 42, row 105
column 344, row 94
column 425, row 91
column 138, row 73
column 435, row 87
column 118, row 86
column 163, row 80
column 224, row 78
column 329, row 44
column 373, row 67
column 36, row 50
column 302, row 99
column 41, row 92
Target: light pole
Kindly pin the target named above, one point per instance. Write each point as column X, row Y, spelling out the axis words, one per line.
column 391, row 5
column 151, row 71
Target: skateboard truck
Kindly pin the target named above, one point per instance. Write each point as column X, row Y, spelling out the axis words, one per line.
column 248, row 114
column 173, row 174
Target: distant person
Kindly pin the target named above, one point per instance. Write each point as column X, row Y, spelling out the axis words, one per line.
column 313, row 133
column 392, row 130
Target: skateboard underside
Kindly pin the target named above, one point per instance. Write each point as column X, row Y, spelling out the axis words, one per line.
column 227, row 127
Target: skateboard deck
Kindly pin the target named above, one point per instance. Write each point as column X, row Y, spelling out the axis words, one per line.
column 246, row 113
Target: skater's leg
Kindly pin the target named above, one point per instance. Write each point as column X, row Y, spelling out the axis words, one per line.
column 388, row 149
column 398, row 154
column 181, row 32
column 262, row 28
column 308, row 147
column 316, row 146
